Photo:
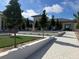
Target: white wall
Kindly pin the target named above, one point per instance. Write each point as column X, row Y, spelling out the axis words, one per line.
column 24, row 51
column 72, row 25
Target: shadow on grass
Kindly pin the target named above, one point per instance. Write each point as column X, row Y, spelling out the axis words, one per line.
column 19, row 37
column 41, row 52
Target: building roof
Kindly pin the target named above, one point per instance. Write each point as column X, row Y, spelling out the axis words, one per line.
column 67, row 20
column 36, row 16
column 64, row 20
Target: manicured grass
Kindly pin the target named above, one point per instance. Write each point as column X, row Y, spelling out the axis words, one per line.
column 6, row 41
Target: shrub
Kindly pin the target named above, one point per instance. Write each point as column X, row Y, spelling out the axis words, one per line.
column 77, row 26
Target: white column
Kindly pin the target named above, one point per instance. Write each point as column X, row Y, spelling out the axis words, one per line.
column 34, row 29
column 33, row 25
column 63, row 25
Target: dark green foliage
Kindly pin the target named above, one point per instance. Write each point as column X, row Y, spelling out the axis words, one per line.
column 58, row 25
column 37, row 25
column 23, row 25
column 13, row 14
column 27, row 23
column 77, row 18
column 52, row 21
column 76, row 15
column 14, row 17
column 43, row 21
column 77, row 26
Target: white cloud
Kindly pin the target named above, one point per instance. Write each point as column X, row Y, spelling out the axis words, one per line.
column 29, row 13
column 4, row 2
column 64, row 3
column 56, row 8
column 33, row 1
column 74, row 5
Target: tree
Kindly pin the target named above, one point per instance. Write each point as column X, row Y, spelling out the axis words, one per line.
column 60, row 25
column 76, row 15
column 43, row 22
column 52, row 22
column 37, row 24
column 23, row 25
column 27, row 23
column 57, row 25
column 14, row 17
column 77, row 18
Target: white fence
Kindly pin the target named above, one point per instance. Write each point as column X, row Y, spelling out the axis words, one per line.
column 24, row 51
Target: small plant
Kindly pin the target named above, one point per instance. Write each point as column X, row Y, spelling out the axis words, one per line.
column 77, row 26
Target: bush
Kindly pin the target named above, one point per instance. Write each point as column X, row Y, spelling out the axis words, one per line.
column 77, row 26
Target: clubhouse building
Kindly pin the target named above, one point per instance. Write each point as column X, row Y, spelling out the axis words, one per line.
column 66, row 23
column 2, row 22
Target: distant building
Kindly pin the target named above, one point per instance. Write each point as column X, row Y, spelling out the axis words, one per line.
column 36, row 18
column 67, row 24
column 2, row 22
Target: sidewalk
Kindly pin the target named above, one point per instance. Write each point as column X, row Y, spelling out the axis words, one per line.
column 65, row 47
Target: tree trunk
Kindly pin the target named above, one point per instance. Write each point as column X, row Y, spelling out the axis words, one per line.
column 15, row 45
column 42, row 32
column 9, row 31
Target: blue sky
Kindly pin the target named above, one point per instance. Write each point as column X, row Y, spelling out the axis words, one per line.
column 59, row 8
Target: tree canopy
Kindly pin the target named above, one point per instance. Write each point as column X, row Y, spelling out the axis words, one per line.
column 13, row 14
column 52, row 21
column 43, row 21
column 77, row 18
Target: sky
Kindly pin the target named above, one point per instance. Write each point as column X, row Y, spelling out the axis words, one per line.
column 58, row 8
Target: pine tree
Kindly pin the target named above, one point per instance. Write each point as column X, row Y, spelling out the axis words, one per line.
column 57, row 25
column 52, row 22
column 27, row 23
column 37, row 25
column 43, row 21
column 60, row 25
column 13, row 15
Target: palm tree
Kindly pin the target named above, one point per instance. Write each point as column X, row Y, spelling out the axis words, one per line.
column 77, row 18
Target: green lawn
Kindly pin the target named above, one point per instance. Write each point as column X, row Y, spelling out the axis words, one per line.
column 6, row 41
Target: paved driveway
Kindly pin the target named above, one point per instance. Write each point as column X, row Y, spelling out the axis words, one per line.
column 65, row 47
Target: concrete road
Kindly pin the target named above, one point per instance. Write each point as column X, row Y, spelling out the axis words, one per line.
column 65, row 47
